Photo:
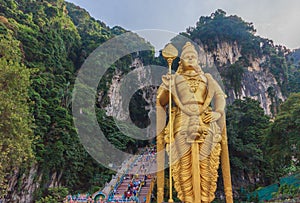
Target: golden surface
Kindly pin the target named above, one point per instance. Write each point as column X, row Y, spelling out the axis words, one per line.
column 170, row 53
column 195, row 136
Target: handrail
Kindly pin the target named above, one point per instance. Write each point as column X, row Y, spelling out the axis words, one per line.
column 148, row 197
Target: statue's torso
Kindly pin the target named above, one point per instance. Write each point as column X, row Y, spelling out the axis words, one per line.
column 191, row 88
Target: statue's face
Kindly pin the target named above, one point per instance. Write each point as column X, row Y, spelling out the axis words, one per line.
column 189, row 61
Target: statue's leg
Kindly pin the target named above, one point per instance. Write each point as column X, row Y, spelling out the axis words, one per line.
column 183, row 178
column 209, row 164
column 182, row 169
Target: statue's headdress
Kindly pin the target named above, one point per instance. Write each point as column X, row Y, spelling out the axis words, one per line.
column 188, row 47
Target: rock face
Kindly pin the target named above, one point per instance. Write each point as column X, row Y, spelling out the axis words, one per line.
column 256, row 83
column 256, row 80
column 223, row 54
column 141, row 81
column 116, row 102
column 23, row 185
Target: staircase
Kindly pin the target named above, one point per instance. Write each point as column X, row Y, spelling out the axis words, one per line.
column 137, row 172
column 144, row 190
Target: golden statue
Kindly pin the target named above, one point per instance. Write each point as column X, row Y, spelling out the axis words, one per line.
column 195, row 136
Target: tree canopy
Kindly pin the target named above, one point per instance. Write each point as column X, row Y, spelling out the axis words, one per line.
column 44, row 43
column 283, row 144
column 16, row 122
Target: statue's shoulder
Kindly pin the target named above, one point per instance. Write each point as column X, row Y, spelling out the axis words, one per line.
column 208, row 76
column 213, row 84
column 178, row 78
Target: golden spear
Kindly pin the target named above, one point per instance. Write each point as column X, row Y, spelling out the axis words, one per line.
column 170, row 53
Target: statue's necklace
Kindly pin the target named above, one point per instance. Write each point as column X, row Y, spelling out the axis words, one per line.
column 193, row 80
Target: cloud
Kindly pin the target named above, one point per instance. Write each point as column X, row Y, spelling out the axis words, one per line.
column 275, row 19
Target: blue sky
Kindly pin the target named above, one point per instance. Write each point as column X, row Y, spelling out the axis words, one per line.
column 278, row 20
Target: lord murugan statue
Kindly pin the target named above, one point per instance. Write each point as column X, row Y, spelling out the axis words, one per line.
column 195, row 135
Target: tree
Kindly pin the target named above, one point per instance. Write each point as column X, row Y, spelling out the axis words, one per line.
column 246, row 126
column 283, row 139
column 218, row 27
column 15, row 119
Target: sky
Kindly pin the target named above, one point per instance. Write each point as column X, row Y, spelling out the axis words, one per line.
column 278, row 20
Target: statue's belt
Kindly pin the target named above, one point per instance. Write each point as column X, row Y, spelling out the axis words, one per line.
column 192, row 109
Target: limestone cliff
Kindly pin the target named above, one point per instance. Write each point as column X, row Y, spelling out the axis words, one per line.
column 24, row 185
column 257, row 80
column 134, row 92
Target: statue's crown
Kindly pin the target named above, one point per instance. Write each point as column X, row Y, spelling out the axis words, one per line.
column 188, row 47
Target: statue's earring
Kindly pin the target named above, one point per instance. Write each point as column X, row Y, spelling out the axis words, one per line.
column 199, row 69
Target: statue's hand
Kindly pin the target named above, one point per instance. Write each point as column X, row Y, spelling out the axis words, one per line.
column 166, row 79
column 211, row 117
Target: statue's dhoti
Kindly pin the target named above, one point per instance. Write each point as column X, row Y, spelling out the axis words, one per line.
column 195, row 157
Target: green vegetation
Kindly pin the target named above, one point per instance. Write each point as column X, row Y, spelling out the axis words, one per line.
column 294, row 71
column 36, row 118
column 283, row 139
column 233, row 76
column 54, row 195
column 91, row 31
column 16, row 134
column 211, row 31
column 286, row 191
column 246, row 127
column 42, row 46
column 262, row 151
column 216, row 28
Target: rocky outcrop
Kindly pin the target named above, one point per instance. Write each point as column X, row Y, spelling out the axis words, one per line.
column 23, row 185
column 123, row 87
column 224, row 53
column 256, row 80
